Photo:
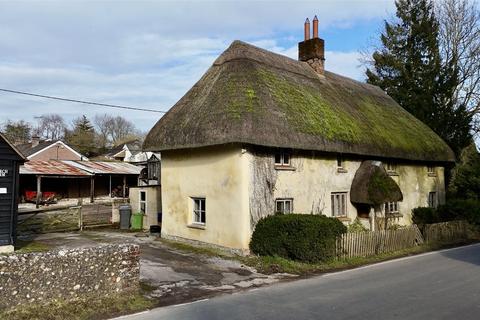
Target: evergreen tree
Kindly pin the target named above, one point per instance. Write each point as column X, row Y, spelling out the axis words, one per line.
column 409, row 68
column 465, row 183
column 82, row 137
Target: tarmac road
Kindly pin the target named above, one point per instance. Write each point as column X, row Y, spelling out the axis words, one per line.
column 436, row 285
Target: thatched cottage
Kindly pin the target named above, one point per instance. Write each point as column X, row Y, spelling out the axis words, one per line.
column 261, row 133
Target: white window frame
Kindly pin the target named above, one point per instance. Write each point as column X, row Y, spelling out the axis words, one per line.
column 392, row 208
column 140, row 201
column 391, row 167
column 339, row 209
column 432, row 199
column 197, row 210
column 282, row 161
column 283, row 202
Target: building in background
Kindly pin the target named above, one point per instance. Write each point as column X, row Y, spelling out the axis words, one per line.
column 45, row 150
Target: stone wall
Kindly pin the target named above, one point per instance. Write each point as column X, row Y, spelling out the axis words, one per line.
column 68, row 274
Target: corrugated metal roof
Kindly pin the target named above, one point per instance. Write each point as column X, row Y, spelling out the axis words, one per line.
column 51, row 167
column 105, row 167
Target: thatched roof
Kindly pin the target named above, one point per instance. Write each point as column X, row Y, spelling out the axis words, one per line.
column 372, row 185
column 253, row 96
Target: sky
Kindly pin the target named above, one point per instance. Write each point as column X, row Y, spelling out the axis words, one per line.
column 147, row 54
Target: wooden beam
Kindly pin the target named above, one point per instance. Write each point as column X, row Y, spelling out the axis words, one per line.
column 39, row 191
column 92, row 189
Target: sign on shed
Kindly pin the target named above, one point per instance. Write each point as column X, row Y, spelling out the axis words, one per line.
column 10, row 160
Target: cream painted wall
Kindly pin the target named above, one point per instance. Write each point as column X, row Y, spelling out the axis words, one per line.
column 221, row 176
column 314, row 179
column 153, row 203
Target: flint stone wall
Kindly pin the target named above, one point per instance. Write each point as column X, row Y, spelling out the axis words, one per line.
column 68, row 274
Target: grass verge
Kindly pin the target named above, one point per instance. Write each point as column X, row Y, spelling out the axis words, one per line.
column 28, row 246
column 91, row 308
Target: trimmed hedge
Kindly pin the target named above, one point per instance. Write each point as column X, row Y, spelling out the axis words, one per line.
column 302, row 237
column 453, row 210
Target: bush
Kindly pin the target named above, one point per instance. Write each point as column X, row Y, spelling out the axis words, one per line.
column 456, row 209
column 302, row 237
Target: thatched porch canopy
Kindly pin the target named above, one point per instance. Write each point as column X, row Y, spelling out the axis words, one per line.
column 373, row 186
column 256, row 97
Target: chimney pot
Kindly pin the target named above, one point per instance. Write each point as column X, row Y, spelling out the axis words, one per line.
column 306, row 29
column 35, row 141
column 315, row 27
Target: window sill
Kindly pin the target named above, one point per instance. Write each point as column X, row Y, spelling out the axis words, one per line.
column 392, row 173
column 285, row 168
column 344, row 219
column 430, row 174
column 196, row 226
column 342, row 170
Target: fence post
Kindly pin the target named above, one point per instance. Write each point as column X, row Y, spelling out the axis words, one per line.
column 80, row 218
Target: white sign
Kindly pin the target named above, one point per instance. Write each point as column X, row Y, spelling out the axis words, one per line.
column 3, row 190
column 3, row 172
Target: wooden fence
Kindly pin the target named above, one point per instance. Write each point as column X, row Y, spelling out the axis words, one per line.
column 65, row 219
column 364, row 244
column 451, row 231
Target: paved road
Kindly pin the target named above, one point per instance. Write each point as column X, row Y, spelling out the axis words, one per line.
column 439, row 285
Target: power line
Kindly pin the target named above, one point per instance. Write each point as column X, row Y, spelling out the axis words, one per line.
column 81, row 101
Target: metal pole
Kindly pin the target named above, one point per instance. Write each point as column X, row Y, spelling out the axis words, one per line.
column 39, row 190
column 92, row 188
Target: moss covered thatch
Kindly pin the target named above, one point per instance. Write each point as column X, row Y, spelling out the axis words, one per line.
column 254, row 96
column 373, row 186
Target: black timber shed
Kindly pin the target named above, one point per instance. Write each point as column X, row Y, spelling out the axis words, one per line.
column 10, row 160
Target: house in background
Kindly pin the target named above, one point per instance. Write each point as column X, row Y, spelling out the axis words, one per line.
column 147, row 196
column 261, row 133
column 45, row 150
column 130, row 151
column 10, row 160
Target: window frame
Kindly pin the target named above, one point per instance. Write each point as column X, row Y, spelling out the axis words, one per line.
column 140, row 201
column 284, row 201
column 432, row 199
column 282, row 163
column 198, row 212
column 432, row 171
column 391, row 167
column 343, row 196
column 392, row 208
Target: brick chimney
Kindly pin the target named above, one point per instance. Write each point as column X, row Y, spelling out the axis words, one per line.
column 35, row 141
column 312, row 50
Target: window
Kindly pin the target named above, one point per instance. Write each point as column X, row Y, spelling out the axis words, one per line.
column 431, row 170
column 143, row 202
column 282, row 159
column 391, row 208
column 283, row 206
column 199, row 210
column 339, row 204
column 432, row 199
column 339, row 162
column 391, row 167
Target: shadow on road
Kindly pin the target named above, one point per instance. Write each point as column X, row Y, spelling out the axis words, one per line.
column 468, row 254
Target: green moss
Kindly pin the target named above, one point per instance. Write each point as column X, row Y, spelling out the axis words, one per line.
column 382, row 188
column 308, row 111
column 242, row 98
column 24, row 246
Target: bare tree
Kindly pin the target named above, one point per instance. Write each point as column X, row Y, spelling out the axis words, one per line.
column 50, row 126
column 459, row 39
column 114, row 130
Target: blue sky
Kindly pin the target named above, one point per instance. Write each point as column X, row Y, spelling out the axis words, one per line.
column 149, row 53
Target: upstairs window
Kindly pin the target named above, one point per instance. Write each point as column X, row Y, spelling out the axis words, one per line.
column 431, row 171
column 282, row 159
column 199, row 210
column 283, row 206
column 153, row 170
column 391, row 167
column 339, row 204
column 341, row 164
